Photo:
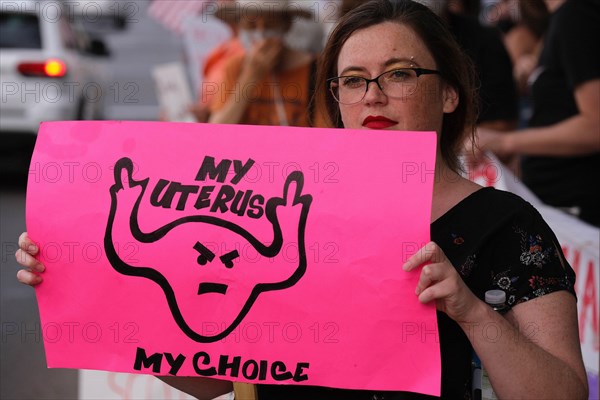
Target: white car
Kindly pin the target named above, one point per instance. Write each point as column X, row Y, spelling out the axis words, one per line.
column 50, row 69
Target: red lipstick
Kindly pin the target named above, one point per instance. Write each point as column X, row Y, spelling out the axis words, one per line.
column 378, row 122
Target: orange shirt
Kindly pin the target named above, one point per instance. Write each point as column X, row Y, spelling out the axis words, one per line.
column 291, row 89
column 215, row 64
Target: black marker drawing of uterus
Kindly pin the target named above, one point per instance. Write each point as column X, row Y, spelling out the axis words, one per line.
column 218, row 288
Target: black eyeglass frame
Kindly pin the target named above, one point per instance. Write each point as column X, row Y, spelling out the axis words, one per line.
column 418, row 71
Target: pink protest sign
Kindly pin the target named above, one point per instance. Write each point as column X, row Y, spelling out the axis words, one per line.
column 256, row 254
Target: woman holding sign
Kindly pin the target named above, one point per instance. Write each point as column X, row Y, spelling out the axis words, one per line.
column 393, row 65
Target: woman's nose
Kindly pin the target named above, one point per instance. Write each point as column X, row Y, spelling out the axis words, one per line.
column 374, row 94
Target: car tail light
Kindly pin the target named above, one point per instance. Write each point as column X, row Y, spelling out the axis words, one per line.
column 52, row 68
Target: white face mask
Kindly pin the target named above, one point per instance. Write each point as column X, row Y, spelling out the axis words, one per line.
column 248, row 37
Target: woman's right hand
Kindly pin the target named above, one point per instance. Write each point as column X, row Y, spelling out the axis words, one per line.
column 30, row 275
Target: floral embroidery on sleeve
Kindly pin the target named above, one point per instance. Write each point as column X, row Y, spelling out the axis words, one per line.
column 532, row 250
column 541, row 268
column 504, row 281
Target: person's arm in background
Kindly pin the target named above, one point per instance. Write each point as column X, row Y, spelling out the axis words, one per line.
column 578, row 135
column 501, row 125
column 256, row 66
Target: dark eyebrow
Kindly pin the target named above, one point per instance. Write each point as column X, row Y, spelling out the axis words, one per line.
column 204, row 251
column 386, row 64
column 229, row 257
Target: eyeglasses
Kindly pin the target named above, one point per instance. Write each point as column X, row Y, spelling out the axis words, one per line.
column 398, row 83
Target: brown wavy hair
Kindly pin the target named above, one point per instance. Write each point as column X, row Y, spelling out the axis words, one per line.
column 454, row 66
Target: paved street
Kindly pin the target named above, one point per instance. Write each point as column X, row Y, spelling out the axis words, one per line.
column 23, row 367
column 145, row 43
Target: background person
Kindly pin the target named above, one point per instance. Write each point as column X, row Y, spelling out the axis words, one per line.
column 524, row 40
column 561, row 149
column 498, row 100
column 270, row 84
column 214, row 68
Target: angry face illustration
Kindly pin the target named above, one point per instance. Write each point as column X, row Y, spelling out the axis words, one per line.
column 225, row 267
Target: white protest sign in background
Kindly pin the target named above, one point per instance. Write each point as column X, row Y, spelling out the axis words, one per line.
column 173, row 92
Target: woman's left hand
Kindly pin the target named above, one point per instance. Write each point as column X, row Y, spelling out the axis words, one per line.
column 440, row 281
column 494, row 141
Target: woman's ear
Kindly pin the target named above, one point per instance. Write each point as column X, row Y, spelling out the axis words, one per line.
column 450, row 98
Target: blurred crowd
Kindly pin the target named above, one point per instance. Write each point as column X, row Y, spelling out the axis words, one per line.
column 536, row 62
